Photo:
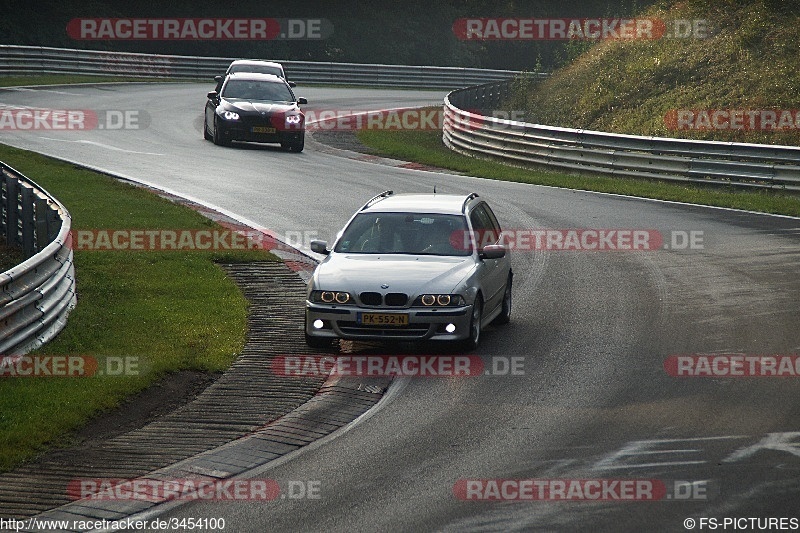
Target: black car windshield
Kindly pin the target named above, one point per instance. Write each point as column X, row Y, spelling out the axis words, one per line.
column 257, row 90
column 259, row 69
column 406, row 233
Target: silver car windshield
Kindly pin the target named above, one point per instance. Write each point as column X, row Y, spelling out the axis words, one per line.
column 257, row 90
column 406, row 233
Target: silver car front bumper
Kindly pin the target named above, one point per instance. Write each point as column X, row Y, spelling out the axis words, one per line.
column 423, row 324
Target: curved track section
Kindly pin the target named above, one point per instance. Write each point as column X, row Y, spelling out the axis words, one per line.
column 593, row 330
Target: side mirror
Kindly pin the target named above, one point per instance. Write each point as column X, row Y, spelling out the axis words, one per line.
column 302, row 101
column 320, row 247
column 291, row 84
column 492, row 251
column 212, row 95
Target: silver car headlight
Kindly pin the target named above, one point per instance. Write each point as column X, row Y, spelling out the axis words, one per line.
column 331, row 297
column 439, row 300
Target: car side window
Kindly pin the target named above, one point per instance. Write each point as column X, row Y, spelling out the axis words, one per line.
column 486, row 232
column 495, row 223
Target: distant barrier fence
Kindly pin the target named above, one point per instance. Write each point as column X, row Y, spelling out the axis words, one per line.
column 38, row 294
column 41, row 60
column 683, row 160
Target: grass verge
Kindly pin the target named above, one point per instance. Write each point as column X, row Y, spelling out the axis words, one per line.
column 171, row 310
column 426, row 147
column 745, row 59
column 10, row 256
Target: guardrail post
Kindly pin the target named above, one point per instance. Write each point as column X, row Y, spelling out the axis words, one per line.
column 53, row 224
column 40, row 209
column 4, row 203
column 27, row 226
column 11, row 215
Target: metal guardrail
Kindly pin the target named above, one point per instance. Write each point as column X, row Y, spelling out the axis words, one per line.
column 683, row 160
column 38, row 60
column 37, row 295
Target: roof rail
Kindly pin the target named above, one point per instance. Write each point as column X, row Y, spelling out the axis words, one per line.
column 470, row 196
column 384, row 194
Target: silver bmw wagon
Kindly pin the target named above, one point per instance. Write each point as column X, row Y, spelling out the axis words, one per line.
column 411, row 267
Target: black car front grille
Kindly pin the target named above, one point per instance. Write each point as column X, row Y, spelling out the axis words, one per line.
column 371, row 298
column 396, row 299
column 256, row 120
column 376, row 299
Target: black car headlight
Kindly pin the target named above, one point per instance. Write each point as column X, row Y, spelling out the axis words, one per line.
column 331, row 297
column 230, row 115
column 293, row 121
column 439, row 300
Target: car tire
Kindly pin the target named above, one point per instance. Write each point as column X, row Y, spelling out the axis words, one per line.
column 218, row 139
column 207, row 136
column 471, row 343
column 295, row 146
column 505, row 313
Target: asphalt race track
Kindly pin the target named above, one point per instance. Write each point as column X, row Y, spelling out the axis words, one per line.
column 594, row 329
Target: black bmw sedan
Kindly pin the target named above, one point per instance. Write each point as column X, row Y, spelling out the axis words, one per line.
column 256, row 108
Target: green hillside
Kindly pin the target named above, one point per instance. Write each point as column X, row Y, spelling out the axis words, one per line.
column 749, row 62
